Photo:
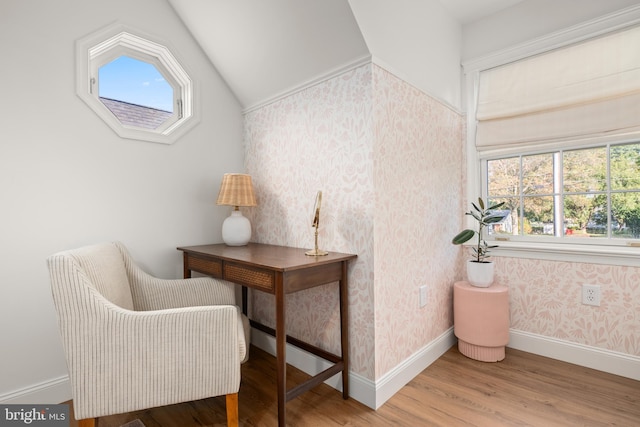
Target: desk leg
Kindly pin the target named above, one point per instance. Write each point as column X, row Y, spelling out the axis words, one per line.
column 344, row 330
column 281, row 350
column 186, row 273
column 245, row 300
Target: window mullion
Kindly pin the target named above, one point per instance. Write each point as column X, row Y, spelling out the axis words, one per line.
column 521, row 196
column 558, row 205
column 608, row 189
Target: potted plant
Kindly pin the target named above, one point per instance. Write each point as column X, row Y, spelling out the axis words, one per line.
column 479, row 270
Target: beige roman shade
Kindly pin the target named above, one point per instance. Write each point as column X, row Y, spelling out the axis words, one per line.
column 585, row 92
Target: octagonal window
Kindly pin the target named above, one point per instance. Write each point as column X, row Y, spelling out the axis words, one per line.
column 135, row 85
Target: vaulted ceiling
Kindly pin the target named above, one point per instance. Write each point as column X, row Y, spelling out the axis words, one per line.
column 264, row 48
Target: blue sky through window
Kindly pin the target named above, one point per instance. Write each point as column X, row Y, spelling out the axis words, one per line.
column 136, row 82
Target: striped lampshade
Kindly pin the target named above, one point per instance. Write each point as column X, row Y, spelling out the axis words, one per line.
column 236, row 190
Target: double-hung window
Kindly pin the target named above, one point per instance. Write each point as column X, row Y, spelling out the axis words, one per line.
column 556, row 137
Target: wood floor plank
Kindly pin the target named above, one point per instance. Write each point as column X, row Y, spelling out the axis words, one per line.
column 522, row 390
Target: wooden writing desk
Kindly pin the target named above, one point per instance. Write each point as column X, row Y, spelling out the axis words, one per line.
column 280, row 270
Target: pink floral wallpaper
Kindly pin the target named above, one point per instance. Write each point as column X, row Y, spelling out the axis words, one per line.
column 389, row 160
column 545, row 299
column 418, row 183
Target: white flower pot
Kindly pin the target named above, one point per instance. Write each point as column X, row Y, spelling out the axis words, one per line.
column 480, row 274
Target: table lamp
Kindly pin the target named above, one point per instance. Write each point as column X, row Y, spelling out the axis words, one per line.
column 236, row 190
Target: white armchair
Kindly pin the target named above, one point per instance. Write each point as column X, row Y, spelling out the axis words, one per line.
column 133, row 341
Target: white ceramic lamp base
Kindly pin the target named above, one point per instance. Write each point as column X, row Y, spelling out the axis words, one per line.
column 236, row 229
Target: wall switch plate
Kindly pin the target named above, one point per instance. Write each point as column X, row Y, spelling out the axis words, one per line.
column 591, row 295
column 423, row 296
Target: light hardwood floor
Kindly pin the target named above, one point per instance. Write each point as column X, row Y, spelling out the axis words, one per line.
column 522, row 390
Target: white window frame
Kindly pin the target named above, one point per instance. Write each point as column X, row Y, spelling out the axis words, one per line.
column 550, row 249
column 98, row 49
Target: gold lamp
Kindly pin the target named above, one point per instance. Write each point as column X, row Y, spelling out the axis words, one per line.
column 236, row 190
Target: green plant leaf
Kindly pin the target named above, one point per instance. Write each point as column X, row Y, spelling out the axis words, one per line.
column 484, row 217
column 463, row 236
column 491, row 219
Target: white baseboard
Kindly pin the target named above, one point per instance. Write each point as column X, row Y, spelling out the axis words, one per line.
column 608, row 361
column 57, row 390
column 391, row 382
column 370, row 393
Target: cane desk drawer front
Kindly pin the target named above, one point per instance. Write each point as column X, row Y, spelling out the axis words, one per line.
column 252, row 277
column 204, row 265
column 233, row 272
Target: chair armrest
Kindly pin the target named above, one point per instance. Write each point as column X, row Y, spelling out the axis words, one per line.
column 152, row 293
column 129, row 360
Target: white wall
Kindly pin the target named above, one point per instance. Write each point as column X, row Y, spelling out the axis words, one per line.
column 529, row 20
column 66, row 179
column 417, row 40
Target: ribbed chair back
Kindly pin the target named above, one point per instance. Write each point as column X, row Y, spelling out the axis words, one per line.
column 103, row 264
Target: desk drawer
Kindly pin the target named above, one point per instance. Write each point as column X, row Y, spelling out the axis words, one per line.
column 211, row 267
column 251, row 277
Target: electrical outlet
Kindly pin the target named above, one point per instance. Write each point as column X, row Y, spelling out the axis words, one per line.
column 423, row 295
column 591, row 295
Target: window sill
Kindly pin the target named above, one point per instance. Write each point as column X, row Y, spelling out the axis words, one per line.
column 591, row 254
